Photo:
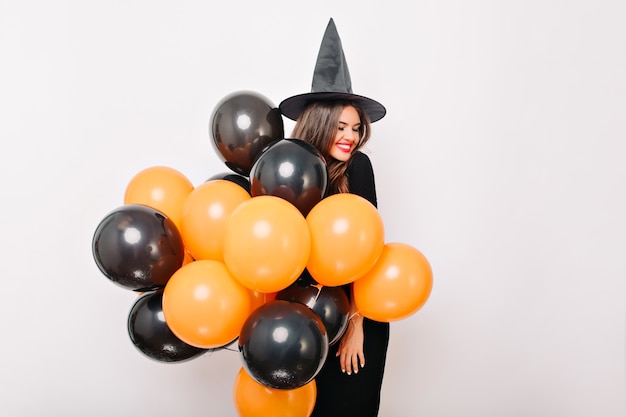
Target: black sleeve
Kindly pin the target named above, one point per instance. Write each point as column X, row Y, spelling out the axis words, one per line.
column 361, row 177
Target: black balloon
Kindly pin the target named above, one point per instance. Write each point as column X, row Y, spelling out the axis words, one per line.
column 137, row 247
column 283, row 344
column 149, row 332
column 331, row 304
column 242, row 124
column 293, row 170
column 240, row 180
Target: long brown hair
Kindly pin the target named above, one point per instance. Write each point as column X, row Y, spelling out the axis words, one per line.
column 318, row 125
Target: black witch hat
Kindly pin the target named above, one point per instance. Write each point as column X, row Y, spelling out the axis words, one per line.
column 331, row 81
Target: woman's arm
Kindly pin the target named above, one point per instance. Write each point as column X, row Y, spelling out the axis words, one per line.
column 350, row 350
column 361, row 178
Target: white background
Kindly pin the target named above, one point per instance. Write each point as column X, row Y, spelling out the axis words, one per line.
column 501, row 159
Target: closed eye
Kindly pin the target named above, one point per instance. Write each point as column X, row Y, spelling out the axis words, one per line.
column 355, row 129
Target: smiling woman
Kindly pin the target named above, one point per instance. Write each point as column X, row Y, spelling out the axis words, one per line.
column 337, row 123
column 347, row 137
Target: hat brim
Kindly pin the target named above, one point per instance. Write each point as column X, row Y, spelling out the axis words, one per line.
column 293, row 107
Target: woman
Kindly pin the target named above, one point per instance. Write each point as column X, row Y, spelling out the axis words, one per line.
column 337, row 122
column 350, row 381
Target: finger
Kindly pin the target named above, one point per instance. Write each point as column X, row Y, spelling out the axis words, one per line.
column 349, row 364
column 362, row 359
column 355, row 363
column 342, row 362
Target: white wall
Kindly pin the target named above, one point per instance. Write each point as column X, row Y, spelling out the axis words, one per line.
column 501, row 158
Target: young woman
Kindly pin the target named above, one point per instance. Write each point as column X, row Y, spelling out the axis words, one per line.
column 350, row 382
column 337, row 122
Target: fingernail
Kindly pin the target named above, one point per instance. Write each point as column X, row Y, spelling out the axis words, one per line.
column 343, row 370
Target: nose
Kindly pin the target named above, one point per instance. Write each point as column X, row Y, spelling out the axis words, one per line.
column 349, row 134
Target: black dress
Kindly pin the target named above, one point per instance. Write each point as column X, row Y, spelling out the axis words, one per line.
column 339, row 394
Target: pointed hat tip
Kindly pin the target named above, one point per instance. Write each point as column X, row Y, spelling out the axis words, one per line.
column 331, row 24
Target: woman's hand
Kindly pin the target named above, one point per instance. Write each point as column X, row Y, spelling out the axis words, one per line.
column 350, row 350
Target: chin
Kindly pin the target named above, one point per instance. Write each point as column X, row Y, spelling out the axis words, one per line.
column 343, row 157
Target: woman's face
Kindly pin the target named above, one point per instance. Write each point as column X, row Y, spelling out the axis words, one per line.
column 347, row 136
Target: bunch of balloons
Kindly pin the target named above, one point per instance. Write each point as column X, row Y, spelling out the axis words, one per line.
column 257, row 256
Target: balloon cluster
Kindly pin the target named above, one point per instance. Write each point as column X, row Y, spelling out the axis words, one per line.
column 257, row 256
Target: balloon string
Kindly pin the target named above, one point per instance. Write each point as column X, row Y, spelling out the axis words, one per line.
column 319, row 291
column 312, row 302
column 355, row 314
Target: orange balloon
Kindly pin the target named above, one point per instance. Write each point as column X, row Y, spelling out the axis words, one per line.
column 161, row 188
column 266, row 243
column 204, row 214
column 347, row 237
column 256, row 400
column 204, row 306
column 397, row 286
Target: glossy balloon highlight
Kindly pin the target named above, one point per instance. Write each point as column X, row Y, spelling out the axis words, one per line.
column 160, row 187
column 331, row 304
column 137, row 247
column 204, row 305
column 397, row 286
column 283, row 344
column 293, row 170
column 205, row 212
column 266, row 243
column 256, row 400
column 347, row 237
column 151, row 336
column 242, row 125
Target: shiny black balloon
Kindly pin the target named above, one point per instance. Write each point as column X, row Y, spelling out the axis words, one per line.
column 149, row 333
column 331, row 304
column 242, row 124
column 240, row 180
column 293, row 170
column 137, row 247
column 283, row 344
